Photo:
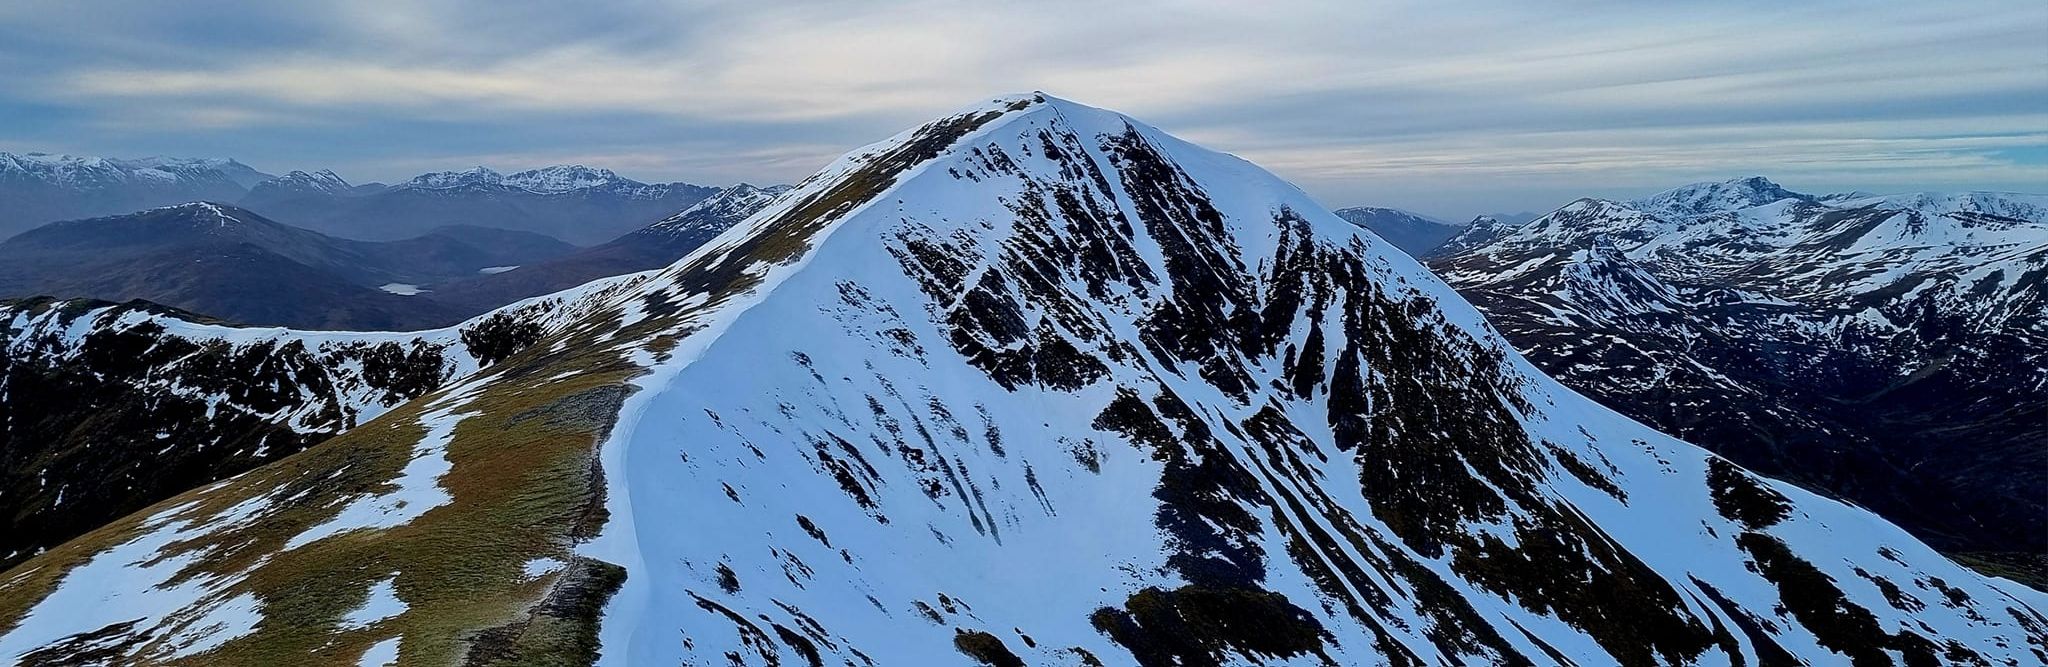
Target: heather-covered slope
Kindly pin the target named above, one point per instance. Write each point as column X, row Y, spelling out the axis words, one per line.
column 1031, row 384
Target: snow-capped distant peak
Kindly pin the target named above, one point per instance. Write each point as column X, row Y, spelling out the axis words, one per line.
column 564, row 178
column 1729, row 195
column 324, row 181
column 441, row 180
column 91, row 172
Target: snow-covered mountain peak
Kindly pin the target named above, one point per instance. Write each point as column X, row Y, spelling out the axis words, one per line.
column 1704, row 198
column 441, row 180
column 92, row 172
column 1068, row 275
column 564, row 178
column 323, row 181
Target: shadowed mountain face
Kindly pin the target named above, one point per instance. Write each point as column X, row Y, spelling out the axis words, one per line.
column 578, row 204
column 1033, row 383
column 1412, row 233
column 1890, row 350
column 230, row 263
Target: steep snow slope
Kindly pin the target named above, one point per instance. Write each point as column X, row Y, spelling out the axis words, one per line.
column 1037, row 384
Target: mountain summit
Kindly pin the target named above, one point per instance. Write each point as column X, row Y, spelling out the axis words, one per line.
column 1729, row 195
column 1033, row 383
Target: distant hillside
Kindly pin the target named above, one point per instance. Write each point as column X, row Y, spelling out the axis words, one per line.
column 650, row 247
column 578, row 204
column 1413, row 233
column 230, row 263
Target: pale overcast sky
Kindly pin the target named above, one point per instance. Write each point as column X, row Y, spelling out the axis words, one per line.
column 1448, row 108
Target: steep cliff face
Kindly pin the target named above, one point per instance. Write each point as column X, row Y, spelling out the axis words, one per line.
column 1034, row 383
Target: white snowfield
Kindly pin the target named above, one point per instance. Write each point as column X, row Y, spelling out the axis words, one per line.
column 836, row 465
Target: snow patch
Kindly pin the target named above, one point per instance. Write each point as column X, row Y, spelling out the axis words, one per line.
column 381, row 603
column 416, row 489
column 380, row 654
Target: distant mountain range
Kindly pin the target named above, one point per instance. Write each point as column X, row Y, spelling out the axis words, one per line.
column 234, row 264
column 574, row 203
column 578, row 204
column 231, row 263
column 1890, row 350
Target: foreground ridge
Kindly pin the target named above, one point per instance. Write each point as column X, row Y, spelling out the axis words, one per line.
column 1033, row 383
